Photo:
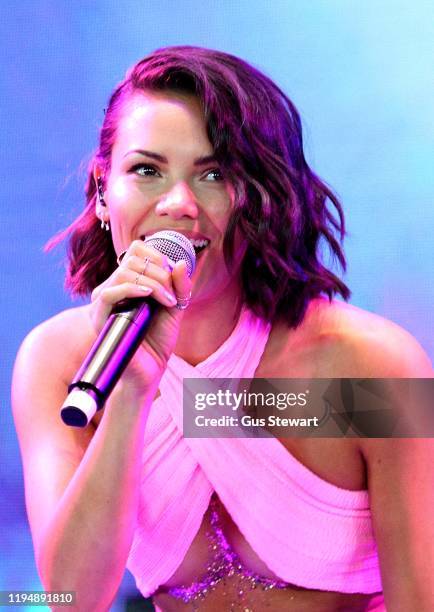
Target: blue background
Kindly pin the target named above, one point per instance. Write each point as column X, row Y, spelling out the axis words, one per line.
column 361, row 76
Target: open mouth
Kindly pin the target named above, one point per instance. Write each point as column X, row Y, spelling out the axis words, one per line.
column 199, row 245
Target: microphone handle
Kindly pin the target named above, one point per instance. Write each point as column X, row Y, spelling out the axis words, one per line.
column 119, row 339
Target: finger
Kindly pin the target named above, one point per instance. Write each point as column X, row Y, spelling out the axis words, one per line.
column 107, row 297
column 112, row 295
column 181, row 281
column 147, row 268
column 139, row 248
column 137, row 286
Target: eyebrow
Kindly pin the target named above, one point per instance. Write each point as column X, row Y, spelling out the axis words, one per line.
column 200, row 161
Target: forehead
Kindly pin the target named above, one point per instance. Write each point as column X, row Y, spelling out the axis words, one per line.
column 162, row 122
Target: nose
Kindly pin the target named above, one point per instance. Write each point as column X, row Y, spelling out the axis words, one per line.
column 179, row 202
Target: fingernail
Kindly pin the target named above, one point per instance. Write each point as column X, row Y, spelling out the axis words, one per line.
column 170, row 297
column 181, row 263
column 145, row 289
column 186, row 274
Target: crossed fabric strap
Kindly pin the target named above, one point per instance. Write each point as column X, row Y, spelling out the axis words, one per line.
column 308, row 531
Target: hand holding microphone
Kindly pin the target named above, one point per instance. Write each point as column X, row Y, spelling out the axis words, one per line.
column 151, row 269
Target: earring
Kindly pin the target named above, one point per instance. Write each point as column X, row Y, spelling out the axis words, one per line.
column 104, row 224
column 100, row 191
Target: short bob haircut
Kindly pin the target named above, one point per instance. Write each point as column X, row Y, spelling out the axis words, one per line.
column 281, row 206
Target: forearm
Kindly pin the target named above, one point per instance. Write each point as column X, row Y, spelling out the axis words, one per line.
column 86, row 543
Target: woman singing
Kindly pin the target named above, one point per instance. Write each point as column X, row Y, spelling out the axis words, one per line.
column 200, row 142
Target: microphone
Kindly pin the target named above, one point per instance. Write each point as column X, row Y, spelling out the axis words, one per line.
column 119, row 339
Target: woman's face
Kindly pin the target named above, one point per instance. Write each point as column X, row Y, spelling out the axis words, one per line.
column 163, row 176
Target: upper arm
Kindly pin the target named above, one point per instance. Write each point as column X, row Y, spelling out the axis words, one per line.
column 401, row 486
column 51, row 451
column 401, row 491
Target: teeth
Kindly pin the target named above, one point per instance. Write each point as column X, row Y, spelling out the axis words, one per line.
column 196, row 243
column 199, row 243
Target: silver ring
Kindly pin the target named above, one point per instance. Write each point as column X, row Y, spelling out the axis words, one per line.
column 120, row 257
column 136, row 282
column 145, row 265
column 183, row 303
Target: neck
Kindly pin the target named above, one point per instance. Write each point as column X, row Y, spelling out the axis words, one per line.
column 206, row 325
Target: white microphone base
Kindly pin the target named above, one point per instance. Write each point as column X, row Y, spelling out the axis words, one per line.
column 79, row 408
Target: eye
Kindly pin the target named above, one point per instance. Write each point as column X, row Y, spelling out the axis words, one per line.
column 144, row 170
column 213, row 175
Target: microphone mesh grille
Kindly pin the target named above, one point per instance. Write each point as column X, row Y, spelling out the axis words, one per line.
column 174, row 246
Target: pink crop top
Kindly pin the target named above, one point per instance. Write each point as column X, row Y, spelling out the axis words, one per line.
column 309, row 532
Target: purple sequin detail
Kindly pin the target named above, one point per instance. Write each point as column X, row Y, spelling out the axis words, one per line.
column 225, row 563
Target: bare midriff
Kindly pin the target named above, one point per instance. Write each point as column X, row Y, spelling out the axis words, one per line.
column 231, row 577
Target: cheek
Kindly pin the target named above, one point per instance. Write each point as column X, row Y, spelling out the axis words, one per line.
column 118, row 189
column 124, row 209
column 124, row 204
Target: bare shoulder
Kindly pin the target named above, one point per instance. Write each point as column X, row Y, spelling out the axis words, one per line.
column 45, row 365
column 46, row 362
column 70, row 320
column 375, row 346
column 337, row 339
column 59, row 342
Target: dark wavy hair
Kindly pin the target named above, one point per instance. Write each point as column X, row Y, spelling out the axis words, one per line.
column 281, row 207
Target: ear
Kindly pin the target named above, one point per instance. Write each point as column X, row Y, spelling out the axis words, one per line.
column 101, row 209
column 98, row 177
